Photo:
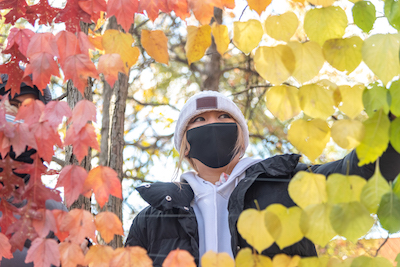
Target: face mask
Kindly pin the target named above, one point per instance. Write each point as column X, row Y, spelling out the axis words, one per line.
column 213, row 144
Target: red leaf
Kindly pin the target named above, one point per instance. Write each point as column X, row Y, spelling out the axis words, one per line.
column 6, row 127
column 83, row 112
column 110, row 65
column 15, row 76
column 21, row 230
column 7, row 218
column 67, row 45
column 35, row 170
column 202, row 10
column 123, row 10
column 103, row 181
column 22, row 138
column 80, row 225
column 30, row 111
column 10, row 180
column 152, row 7
column 20, row 37
column 42, row 66
column 108, row 224
column 180, row 7
column 42, row 42
column 54, row 112
column 45, row 224
column 59, row 216
column 79, row 68
column 5, row 247
column 71, row 254
column 84, row 43
column 46, row 137
column 42, row 11
column 18, row 9
column 71, row 15
column 93, row 7
column 82, row 140
column 72, row 178
column 39, row 193
column 43, row 253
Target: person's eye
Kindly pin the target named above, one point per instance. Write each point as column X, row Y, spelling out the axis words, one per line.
column 225, row 116
column 198, row 119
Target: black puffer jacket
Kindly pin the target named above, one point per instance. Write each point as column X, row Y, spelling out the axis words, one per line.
column 170, row 222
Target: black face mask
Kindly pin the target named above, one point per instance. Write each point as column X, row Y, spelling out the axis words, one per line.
column 213, row 144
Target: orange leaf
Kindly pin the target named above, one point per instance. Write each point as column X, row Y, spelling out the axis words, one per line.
column 156, row 45
column 42, row 42
column 71, row 254
column 108, row 224
column 99, row 256
column 104, row 181
column 82, row 140
column 21, row 37
column 41, row 66
column 84, row 43
column 131, row 256
column 202, row 10
column 83, row 112
column 46, row 223
column 5, row 247
column 43, row 252
column 123, row 10
column 152, row 7
column 59, row 215
column 79, row 68
column 259, row 5
column 72, row 178
column 110, row 65
column 228, row 3
column 179, row 258
column 180, row 7
column 67, row 45
column 97, row 42
column 80, row 225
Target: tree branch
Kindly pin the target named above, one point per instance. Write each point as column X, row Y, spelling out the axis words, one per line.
column 58, row 161
column 61, row 97
column 151, row 104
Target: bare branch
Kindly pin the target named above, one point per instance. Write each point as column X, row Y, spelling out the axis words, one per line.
column 61, row 97
column 151, row 104
column 58, row 161
column 384, row 242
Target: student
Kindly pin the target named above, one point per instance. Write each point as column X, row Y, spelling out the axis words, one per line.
column 201, row 213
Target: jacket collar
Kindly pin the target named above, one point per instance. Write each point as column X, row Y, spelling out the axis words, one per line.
column 166, row 196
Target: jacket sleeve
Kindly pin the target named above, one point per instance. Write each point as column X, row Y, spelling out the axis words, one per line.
column 138, row 232
column 389, row 165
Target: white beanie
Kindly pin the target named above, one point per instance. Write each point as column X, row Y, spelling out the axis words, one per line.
column 208, row 101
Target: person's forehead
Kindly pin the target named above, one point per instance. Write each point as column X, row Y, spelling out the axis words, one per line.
column 25, row 96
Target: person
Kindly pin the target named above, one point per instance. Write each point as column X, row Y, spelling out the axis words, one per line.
column 201, row 212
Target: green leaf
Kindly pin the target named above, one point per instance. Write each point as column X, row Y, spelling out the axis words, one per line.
column 364, row 15
column 373, row 191
column 395, row 134
column 343, row 54
column 364, row 261
column 396, row 186
column 376, row 138
column 398, row 260
column 389, row 212
column 375, row 98
column 381, row 54
column 351, row 220
column 344, row 188
column 321, row 24
column 394, row 91
column 392, row 13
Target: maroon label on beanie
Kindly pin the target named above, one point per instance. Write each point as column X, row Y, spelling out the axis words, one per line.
column 206, row 102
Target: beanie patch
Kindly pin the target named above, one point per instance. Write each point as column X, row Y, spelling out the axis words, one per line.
column 209, row 102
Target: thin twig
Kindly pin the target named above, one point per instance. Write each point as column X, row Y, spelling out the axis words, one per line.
column 58, row 161
column 384, row 242
column 61, row 97
column 243, row 12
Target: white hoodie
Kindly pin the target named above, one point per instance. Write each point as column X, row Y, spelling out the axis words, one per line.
column 210, row 205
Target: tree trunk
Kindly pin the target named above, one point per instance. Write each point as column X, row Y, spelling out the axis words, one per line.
column 105, row 124
column 212, row 67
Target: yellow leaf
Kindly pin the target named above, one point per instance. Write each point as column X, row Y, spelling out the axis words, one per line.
column 373, row 191
column 309, row 60
column 335, row 262
column 283, row 101
column 364, row 261
column 246, row 258
column 347, row 133
column 314, row 262
column 352, row 103
column 316, row 101
column 258, row 5
column 115, row 42
column 316, row 225
column 344, row 188
column 156, row 45
column 282, row 27
column 110, row 65
column 321, row 24
column 290, row 224
column 283, row 260
column 221, row 37
column 308, row 188
column 247, row 35
column 381, row 54
column 376, row 138
column 275, row 64
column 343, row 54
column 252, row 228
column 309, row 137
column 198, row 40
column 324, row 3
column 212, row 259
